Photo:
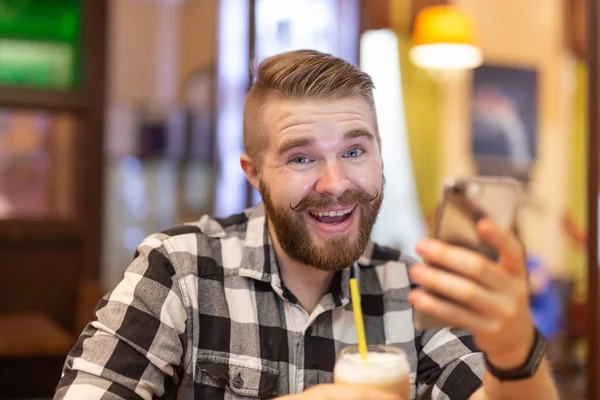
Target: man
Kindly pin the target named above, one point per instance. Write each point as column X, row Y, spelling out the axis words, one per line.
column 257, row 305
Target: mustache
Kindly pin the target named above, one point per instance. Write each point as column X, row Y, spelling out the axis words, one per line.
column 349, row 197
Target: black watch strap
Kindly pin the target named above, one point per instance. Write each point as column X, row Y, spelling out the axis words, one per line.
column 528, row 369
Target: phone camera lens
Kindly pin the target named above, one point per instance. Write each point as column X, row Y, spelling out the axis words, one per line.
column 459, row 188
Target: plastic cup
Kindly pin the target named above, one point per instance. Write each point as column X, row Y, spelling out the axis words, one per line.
column 386, row 369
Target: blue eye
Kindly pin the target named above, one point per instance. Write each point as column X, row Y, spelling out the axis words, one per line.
column 300, row 160
column 353, row 153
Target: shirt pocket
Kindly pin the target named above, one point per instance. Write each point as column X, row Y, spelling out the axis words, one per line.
column 234, row 377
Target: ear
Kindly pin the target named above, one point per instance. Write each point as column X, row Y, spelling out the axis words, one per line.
column 250, row 169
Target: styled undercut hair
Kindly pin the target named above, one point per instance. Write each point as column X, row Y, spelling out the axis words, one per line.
column 300, row 75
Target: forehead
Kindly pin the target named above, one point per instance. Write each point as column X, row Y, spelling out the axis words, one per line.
column 285, row 117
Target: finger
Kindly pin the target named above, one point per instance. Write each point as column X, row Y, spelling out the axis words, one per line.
column 464, row 262
column 510, row 249
column 362, row 393
column 452, row 314
column 352, row 392
column 461, row 290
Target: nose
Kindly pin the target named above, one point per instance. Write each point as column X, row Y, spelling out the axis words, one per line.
column 332, row 180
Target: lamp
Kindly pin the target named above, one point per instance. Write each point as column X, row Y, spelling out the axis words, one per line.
column 444, row 40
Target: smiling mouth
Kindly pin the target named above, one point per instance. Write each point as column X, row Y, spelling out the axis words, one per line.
column 332, row 217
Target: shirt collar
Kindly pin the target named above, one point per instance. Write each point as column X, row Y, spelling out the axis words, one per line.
column 258, row 257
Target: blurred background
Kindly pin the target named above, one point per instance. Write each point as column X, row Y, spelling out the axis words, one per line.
column 120, row 118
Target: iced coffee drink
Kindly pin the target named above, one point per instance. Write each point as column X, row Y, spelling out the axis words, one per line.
column 386, row 368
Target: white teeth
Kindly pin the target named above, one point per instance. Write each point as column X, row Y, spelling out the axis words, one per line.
column 331, row 213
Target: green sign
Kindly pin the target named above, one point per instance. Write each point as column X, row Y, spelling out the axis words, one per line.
column 40, row 43
column 54, row 20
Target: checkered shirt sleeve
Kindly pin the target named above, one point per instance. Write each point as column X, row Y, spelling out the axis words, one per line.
column 450, row 367
column 136, row 346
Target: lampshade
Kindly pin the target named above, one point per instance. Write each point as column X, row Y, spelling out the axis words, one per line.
column 444, row 38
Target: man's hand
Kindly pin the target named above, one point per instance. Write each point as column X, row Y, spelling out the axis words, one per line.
column 492, row 298
column 340, row 392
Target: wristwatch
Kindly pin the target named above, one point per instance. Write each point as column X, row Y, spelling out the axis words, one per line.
column 527, row 370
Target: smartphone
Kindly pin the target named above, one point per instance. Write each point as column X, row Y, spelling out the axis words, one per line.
column 464, row 202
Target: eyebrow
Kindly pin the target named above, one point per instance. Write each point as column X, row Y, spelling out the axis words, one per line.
column 359, row 133
column 307, row 141
column 294, row 143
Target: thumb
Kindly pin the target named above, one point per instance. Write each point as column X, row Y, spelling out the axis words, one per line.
column 345, row 392
column 342, row 392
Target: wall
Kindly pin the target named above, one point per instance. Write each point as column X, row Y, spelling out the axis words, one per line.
column 139, row 54
column 528, row 34
column 133, row 36
column 198, row 36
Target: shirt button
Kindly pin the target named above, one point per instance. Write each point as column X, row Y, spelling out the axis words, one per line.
column 238, row 382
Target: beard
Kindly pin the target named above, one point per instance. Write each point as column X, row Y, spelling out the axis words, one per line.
column 332, row 254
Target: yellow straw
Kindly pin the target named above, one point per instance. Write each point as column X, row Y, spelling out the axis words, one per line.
column 358, row 318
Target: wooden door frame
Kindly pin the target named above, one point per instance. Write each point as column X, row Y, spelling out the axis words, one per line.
column 88, row 104
column 81, row 235
column 593, row 150
column 74, row 243
column 91, row 154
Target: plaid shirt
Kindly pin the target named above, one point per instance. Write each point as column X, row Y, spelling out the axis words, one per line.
column 202, row 313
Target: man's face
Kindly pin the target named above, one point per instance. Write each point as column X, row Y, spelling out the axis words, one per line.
column 321, row 179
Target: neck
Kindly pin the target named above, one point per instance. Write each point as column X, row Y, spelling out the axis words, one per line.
column 306, row 282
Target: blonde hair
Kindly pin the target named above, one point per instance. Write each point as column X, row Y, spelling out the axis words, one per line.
column 299, row 75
